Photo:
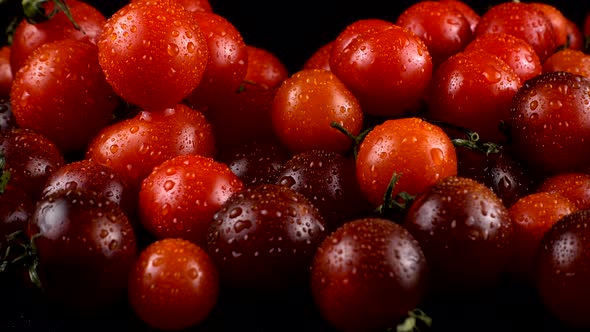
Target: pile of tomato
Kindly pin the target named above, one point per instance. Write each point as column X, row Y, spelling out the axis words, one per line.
column 160, row 172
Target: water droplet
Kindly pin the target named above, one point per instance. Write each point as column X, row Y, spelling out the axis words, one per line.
column 437, row 156
column 114, row 148
column 172, row 49
column 113, row 245
column 533, row 105
column 235, row 212
column 241, row 225
column 491, row 74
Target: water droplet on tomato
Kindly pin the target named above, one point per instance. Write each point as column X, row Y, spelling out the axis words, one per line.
column 235, row 212
column 169, row 185
column 491, row 74
column 161, row 18
column 113, row 245
column 437, row 156
column 173, row 49
column 165, row 209
column 114, row 148
column 190, row 47
column 533, row 105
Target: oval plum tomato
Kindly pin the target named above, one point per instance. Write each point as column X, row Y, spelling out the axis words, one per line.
column 305, row 106
column 549, row 123
column 516, row 52
column 85, row 246
column 573, row 185
column 264, row 238
column 180, row 196
column 387, row 68
column 523, row 20
column 265, row 68
column 27, row 36
column 567, row 33
column 88, row 175
column 420, row 153
column 133, row 147
column 533, row 215
column 328, row 180
column 562, row 270
column 61, row 92
column 173, row 285
column 465, row 232
column 470, row 14
column 227, row 62
column 473, row 90
column 368, row 274
column 320, row 58
column 30, row 159
column 444, row 29
column 570, row 60
column 153, row 53
column 6, row 76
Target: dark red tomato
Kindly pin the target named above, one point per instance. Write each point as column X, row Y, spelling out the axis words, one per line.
column 7, row 120
column 549, row 122
column 196, row 5
column 135, row 146
column 522, row 20
column 473, row 90
column 367, row 275
column 173, row 285
column 61, row 92
column 153, row 53
column 255, row 161
column 180, row 196
column 5, row 72
column 562, row 270
column 88, row 175
column 227, row 62
column 442, row 27
column 388, row 68
column 265, row 68
column 85, row 246
column 566, row 32
column 328, row 180
column 307, row 103
column 570, row 60
column 500, row 171
column 30, row 159
column 532, row 216
column 465, row 232
column 264, row 238
column 516, row 52
column 243, row 115
column 420, row 153
column 27, row 37
column 320, row 58
column 470, row 14
column 573, row 185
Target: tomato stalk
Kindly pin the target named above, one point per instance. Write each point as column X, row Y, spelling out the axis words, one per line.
column 35, row 12
column 358, row 139
column 415, row 318
column 28, row 258
column 394, row 204
column 4, row 174
column 472, row 142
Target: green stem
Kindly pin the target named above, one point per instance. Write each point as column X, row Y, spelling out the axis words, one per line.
column 35, row 12
column 357, row 140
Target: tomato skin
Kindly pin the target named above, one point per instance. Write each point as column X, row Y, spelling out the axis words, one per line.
column 28, row 37
column 320, row 58
column 180, row 196
column 570, row 60
column 6, row 76
column 562, row 270
column 173, row 285
column 129, row 146
column 536, row 112
column 61, row 92
column 470, row 14
column 388, row 69
column 367, row 275
column 566, row 32
column 227, row 61
column 419, row 152
column 153, row 53
column 306, row 104
column 573, row 185
column 265, row 68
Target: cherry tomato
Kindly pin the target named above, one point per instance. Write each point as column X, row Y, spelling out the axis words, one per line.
column 27, row 36
column 442, row 27
column 570, row 60
column 173, row 285
column 420, row 153
column 61, row 92
column 567, row 33
column 227, row 62
column 573, row 185
column 306, row 104
column 5, row 72
column 473, row 90
column 522, row 20
column 368, row 274
column 153, row 53
column 320, row 58
column 470, row 14
column 180, row 196
column 387, row 67
column 562, row 270
column 549, row 122
column 265, row 68
column 465, row 232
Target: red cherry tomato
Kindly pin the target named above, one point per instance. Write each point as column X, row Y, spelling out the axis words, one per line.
column 570, row 60
column 5, row 72
column 264, row 68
